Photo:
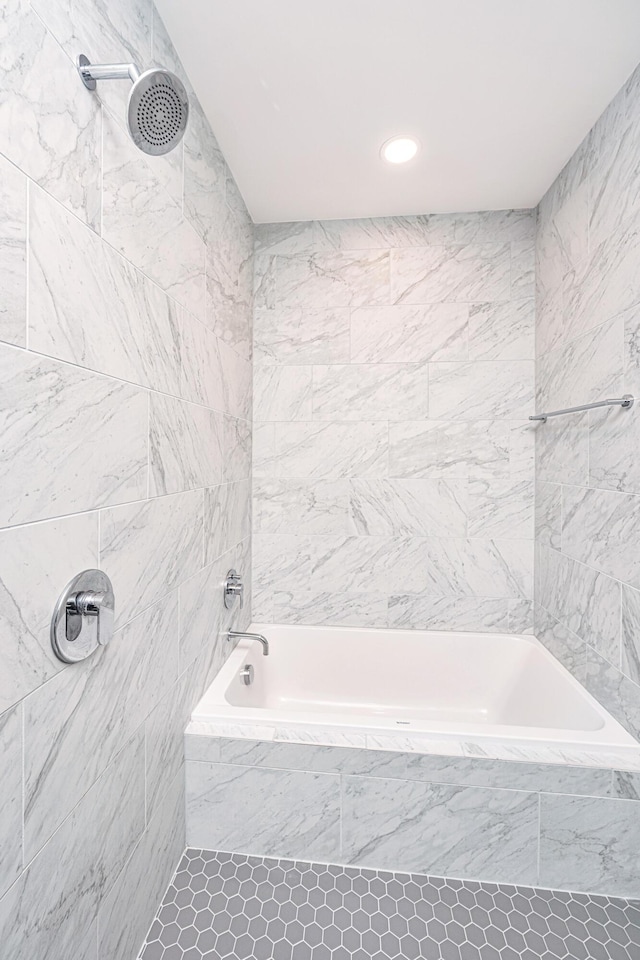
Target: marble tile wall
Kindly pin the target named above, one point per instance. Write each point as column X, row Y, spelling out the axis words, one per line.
column 575, row 828
column 588, row 465
column 393, row 460
column 125, row 416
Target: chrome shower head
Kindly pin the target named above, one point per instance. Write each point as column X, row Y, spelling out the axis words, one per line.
column 158, row 107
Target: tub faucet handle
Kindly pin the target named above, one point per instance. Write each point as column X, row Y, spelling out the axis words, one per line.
column 233, row 588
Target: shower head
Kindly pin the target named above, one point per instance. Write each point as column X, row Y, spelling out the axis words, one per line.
column 158, row 107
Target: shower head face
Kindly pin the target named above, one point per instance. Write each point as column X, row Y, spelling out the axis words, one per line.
column 158, row 111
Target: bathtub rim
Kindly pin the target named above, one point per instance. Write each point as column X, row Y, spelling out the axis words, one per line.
column 214, row 716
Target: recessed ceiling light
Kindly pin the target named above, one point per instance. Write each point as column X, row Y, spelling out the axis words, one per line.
column 399, row 149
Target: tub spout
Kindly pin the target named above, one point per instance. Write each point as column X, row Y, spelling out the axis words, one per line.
column 240, row 635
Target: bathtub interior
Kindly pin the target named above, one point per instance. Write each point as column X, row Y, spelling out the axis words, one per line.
column 443, row 691
column 425, row 676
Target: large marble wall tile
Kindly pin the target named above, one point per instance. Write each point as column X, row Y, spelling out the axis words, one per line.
column 585, row 601
column 398, row 765
column 129, row 908
column 294, row 237
column 438, row 567
column 185, row 446
column 331, row 279
column 350, row 608
column 465, row 832
column 501, row 508
column 485, row 390
column 449, row 613
column 282, row 393
column 164, row 731
column 383, row 391
column 631, row 322
column 613, row 180
column 236, row 448
column 13, row 260
column 501, row 331
column 204, row 619
column 11, row 799
column 619, row 695
column 550, row 331
column 263, row 812
column 562, row 449
column 114, row 32
column 409, row 333
column 143, row 223
column 49, row 123
column 586, row 369
column 522, row 450
column 602, row 529
column 465, row 272
column 301, row 335
column 36, row 562
column 80, row 438
column 630, row 633
column 477, row 568
column 422, row 508
column 605, row 283
column 301, row 506
column 204, row 176
column 549, row 514
column 75, row 725
column 441, row 449
column 327, row 450
column 227, row 517
column 148, row 549
column 50, row 910
column 373, row 233
column 589, row 844
column 90, row 306
column 498, row 226
column 354, row 564
column 569, row 649
column 229, row 269
column 614, row 440
column 523, row 263
column 212, row 372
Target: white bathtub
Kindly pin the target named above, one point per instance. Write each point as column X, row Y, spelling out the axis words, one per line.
column 455, row 692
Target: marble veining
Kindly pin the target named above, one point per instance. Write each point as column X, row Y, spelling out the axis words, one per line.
column 462, row 272
column 149, row 548
column 13, row 235
column 185, row 446
column 100, row 426
column 409, row 333
column 35, row 560
column 469, row 833
column 144, row 224
column 73, row 732
column 49, row 127
column 292, row 813
column 89, row 306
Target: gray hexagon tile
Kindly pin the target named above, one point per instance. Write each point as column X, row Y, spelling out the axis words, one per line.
column 223, row 906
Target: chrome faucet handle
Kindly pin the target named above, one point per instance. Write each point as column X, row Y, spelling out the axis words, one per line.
column 233, row 588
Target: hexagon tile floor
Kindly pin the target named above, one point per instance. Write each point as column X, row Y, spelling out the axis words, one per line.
column 223, row 905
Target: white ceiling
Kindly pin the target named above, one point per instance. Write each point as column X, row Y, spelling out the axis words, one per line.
column 302, row 93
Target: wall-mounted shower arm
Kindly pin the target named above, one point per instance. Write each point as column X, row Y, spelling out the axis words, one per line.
column 90, row 72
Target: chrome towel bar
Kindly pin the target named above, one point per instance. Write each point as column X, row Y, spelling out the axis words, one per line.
column 626, row 402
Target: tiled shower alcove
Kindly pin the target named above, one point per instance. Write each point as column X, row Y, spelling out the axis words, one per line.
column 223, row 906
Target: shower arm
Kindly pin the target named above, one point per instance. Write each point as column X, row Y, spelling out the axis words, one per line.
column 90, row 72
